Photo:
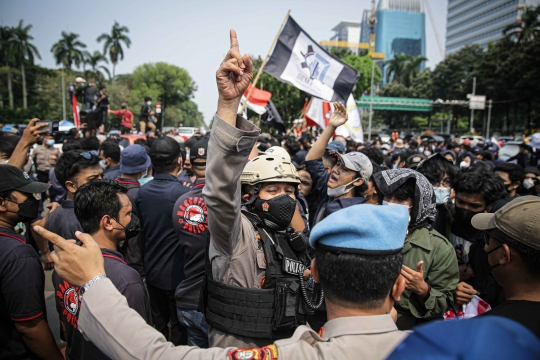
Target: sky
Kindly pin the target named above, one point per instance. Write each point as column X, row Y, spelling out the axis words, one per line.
column 192, row 34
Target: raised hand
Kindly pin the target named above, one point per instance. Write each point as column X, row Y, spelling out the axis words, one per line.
column 414, row 280
column 232, row 78
column 339, row 116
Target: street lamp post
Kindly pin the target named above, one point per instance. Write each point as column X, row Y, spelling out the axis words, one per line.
column 472, row 110
column 372, row 22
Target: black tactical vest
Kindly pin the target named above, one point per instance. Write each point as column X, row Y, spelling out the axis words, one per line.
column 272, row 312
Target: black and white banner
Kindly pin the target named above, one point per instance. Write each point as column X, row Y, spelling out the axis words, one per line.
column 298, row 60
column 272, row 118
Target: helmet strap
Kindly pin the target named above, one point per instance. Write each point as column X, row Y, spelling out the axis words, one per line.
column 253, row 197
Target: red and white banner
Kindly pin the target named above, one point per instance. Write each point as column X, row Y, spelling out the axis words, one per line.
column 257, row 100
column 476, row 307
column 317, row 112
column 75, row 105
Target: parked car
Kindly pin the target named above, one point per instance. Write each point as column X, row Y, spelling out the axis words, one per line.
column 446, row 137
column 187, row 132
column 475, row 139
column 505, row 139
column 436, row 138
column 509, row 149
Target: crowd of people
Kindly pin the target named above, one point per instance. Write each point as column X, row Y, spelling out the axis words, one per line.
column 234, row 245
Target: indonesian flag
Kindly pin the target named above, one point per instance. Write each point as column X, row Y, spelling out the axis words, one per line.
column 298, row 60
column 257, row 100
column 75, row 105
column 476, row 307
column 317, row 112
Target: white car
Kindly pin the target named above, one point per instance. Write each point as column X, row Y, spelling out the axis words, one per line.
column 475, row 139
column 187, row 132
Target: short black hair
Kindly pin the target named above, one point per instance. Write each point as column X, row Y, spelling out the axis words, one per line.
column 478, row 180
column 367, row 285
column 291, row 145
column 69, row 165
column 111, row 149
column 90, row 143
column 165, row 166
column 373, row 154
column 102, row 87
column 8, row 145
column 96, row 199
column 147, row 98
column 515, row 172
column 71, row 145
column 487, row 155
column 141, row 142
column 435, row 168
column 405, row 191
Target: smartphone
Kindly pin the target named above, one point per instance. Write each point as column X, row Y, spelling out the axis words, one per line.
column 52, row 126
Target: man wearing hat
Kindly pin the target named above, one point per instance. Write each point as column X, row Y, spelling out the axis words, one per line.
column 530, row 182
column 163, row 258
column 357, row 264
column 134, row 165
column 24, row 332
column 415, row 160
column 190, row 221
column 512, row 236
column 126, row 118
column 525, row 157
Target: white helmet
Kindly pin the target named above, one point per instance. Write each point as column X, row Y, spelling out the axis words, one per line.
column 269, row 168
column 278, row 150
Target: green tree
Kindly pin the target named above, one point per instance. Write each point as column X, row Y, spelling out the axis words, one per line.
column 527, row 29
column 412, row 68
column 24, row 50
column 94, row 60
column 113, row 43
column 67, row 51
column 7, row 41
column 363, row 64
column 395, row 67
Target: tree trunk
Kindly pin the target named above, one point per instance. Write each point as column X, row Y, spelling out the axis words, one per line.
column 10, row 88
column 113, row 70
column 25, row 95
column 514, row 118
column 529, row 117
column 1, row 101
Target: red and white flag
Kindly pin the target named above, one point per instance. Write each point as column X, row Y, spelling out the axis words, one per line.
column 476, row 307
column 75, row 105
column 317, row 112
column 257, row 100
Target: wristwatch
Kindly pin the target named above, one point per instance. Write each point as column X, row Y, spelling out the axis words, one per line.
column 85, row 287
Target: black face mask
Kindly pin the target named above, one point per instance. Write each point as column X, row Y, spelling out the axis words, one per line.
column 276, row 213
column 132, row 229
column 462, row 226
column 28, row 209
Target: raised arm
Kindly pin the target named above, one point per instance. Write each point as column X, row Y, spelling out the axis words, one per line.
column 339, row 117
column 231, row 141
column 30, row 136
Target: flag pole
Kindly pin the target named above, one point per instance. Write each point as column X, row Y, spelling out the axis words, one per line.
column 264, row 62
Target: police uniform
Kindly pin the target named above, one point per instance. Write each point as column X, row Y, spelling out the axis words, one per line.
column 352, row 337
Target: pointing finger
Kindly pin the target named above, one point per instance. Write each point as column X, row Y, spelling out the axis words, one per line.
column 234, row 39
column 57, row 240
column 87, row 240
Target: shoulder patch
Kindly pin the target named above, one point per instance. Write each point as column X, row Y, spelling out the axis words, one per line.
column 269, row 352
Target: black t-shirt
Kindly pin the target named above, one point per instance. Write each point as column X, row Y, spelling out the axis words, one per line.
column 21, row 292
column 63, row 220
column 68, row 303
column 527, row 313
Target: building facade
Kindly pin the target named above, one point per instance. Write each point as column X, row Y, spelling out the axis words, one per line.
column 400, row 29
column 346, row 36
column 481, row 21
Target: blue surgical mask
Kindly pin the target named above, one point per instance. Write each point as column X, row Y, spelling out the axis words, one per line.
column 144, row 180
column 420, row 149
column 50, row 142
column 395, row 166
column 441, row 195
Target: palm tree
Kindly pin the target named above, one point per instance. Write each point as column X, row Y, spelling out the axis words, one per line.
column 7, row 41
column 67, row 51
column 527, row 29
column 113, row 43
column 411, row 68
column 23, row 49
column 395, row 67
column 93, row 61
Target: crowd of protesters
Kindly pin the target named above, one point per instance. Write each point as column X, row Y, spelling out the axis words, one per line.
column 250, row 246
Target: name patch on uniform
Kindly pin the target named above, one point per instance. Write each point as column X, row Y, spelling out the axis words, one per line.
column 293, row 266
column 265, row 353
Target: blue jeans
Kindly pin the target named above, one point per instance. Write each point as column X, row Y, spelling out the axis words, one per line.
column 197, row 328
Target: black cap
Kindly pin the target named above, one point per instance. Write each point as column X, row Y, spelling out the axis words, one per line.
column 14, row 178
column 163, row 149
column 199, row 150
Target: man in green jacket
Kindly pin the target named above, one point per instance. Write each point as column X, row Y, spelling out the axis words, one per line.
column 430, row 266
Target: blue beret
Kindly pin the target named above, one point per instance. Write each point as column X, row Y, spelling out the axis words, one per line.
column 363, row 229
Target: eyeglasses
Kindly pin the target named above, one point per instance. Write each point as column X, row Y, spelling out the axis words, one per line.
column 488, row 235
column 88, row 154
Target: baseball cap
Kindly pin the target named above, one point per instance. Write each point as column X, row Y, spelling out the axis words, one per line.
column 356, row 161
column 399, row 144
column 79, row 79
column 134, row 159
column 10, row 129
column 413, row 161
column 14, row 178
column 518, row 219
column 336, row 146
column 199, row 150
column 163, row 149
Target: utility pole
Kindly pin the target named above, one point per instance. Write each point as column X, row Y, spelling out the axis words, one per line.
column 372, row 22
column 490, row 102
column 63, row 94
column 472, row 110
column 449, row 121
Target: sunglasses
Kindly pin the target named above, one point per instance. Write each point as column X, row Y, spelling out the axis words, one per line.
column 88, row 154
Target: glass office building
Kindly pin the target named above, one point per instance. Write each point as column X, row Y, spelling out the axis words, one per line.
column 400, row 29
column 481, row 21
